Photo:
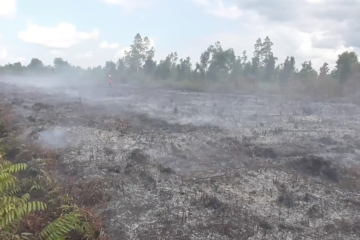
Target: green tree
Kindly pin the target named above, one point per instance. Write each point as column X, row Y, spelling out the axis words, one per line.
column 184, row 69
column 149, row 67
column 139, row 52
column 221, row 62
column 324, row 70
column 287, row 69
column 204, row 62
column 35, row 65
column 307, row 72
column 266, row 51
column 110, row 67
column 344, row 65
column 167, row 68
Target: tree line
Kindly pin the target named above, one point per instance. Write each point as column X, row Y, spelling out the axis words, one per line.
column 215, row 65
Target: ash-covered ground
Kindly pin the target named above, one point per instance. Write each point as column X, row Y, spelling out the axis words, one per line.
column 182, row 165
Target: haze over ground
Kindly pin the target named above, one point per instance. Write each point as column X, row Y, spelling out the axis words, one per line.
column 261, row 145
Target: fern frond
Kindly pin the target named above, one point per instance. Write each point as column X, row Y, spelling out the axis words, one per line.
column 7, row 182
column 36, row 186
column 13, row 213
column 14, row 168
column 62, row 226
column 4, row 163
column 66, row 199
column 13, row 191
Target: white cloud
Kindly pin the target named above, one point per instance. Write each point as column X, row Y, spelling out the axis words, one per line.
column 121, row 52
column 226, row 11
column 202, row 2
column 131, row 4
column 7, row 8
column 107, row 45
column 64, row 35
column 88, row 54
column 152, row 42
column 3, row 51
column 58, row 52
column 295, row 30
column 221, row 9
column 21, row 59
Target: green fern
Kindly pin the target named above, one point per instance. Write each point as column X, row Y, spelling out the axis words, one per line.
column 14, row 207
column 62, row 226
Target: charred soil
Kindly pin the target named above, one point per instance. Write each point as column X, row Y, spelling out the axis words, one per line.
column 257, row 168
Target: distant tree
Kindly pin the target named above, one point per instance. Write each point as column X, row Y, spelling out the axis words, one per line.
column 287, row 69
column 139, row 52
column 184, row 69
column 204, row 62
column 344, row 65
column 167, row 68
column 216, row 64
column 60, row 64
column 149, row 67
column 35, row 65
column 221, row 62
column 324, row 70
column 121, row 68
column 307, row 72
column 110, row 67
column 269, row 67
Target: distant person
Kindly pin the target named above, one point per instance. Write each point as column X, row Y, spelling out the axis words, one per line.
column 110, row 80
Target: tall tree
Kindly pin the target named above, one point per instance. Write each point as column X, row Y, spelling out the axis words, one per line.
column 140, row 50
column 287, row 69
column 324, row 70
column 35, row 65
column 344, row 64
column 167, row 68
column 307, row 72
column 266, row 53
column 184, row 69
column 204, row 62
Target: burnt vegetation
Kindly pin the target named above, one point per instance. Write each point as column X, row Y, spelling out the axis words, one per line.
column 197, row 165
column 151, row 180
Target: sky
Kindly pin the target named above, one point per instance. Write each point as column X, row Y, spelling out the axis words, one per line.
column 89, row 33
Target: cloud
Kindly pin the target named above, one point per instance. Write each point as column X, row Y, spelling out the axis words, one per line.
column 21, row 59
column 64, row 35
column 338, row 18
column 58, row 52
column 316, row 30
column 88, row 54
column 121, row 52
column 8, row 8
column 226, row 11
column 221, row 9
column 107, row 45
column 131, row 4
column 3, row 51
column 202, row 2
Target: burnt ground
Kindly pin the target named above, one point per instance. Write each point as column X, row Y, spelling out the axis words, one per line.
column 181, row 165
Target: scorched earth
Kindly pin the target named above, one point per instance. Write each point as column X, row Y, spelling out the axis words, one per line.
column 181, row 165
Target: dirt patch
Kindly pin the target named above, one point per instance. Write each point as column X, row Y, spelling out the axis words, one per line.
column 40, row 106
column 316, row 166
